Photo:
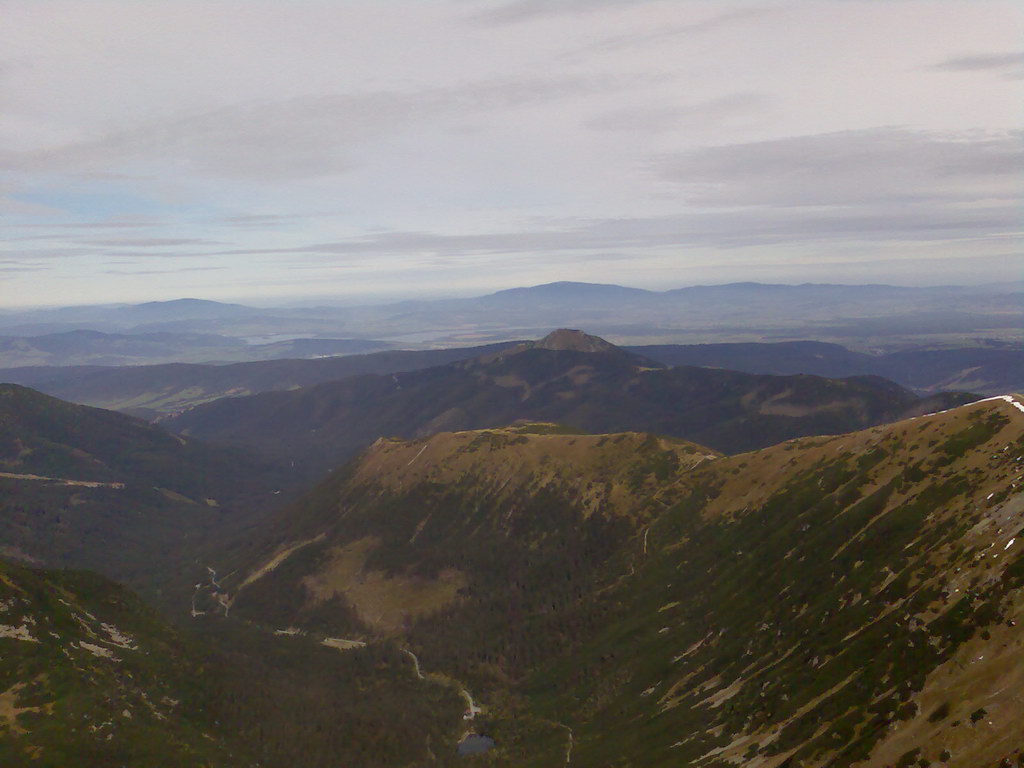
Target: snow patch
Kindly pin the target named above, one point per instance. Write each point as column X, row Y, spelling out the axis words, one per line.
column 119, row 638
column 96, row 650
column 17, row 633
column 342, row 644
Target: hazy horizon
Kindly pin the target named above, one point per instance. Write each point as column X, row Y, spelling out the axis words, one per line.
column 311, row 300
column 274, row 152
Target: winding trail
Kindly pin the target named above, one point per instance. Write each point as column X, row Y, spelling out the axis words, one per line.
column 570, row 741
column 569, row 744
column 415, row 663
column 472, row 708
column 223, row 599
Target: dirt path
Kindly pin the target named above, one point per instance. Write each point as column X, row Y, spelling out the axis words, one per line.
column 569, row 743
column 223, row 599
column 62, row 481
column 472, row 708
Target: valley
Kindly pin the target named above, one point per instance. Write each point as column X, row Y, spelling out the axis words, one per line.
column 511, row 384
column 639, row 645
column 550, row 567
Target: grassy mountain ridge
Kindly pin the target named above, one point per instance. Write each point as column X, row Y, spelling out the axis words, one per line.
column 828, row 601
column 512, row 475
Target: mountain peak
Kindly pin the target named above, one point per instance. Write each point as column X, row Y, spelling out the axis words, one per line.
column 572, row 339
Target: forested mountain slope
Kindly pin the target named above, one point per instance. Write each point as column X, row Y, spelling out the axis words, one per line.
column 848, row 600
column 157, row 390
column 989, row 370
column 583, row 382
column 87, row 488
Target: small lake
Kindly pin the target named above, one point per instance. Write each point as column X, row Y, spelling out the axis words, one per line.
column 474, row 744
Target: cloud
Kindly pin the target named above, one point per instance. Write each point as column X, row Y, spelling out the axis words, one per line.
column 530, row 10
column 258, row 221
column 495, row 132
column 307, row 136
column 665, row 118
column 175, row 271
column 153, row 242
column 1009, row 64
column 675, row 31
column 863, row 167
column 112, row 224
column 582, row 239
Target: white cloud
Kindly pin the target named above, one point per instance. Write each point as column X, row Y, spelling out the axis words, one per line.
column 865, row 167
column 220, row 135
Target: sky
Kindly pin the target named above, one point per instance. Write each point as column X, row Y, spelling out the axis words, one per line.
column 363, row 149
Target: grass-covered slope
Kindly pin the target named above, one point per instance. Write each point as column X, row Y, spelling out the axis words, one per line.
column 842, row 601
column 829, row 601
column 90, row 677
column 417, row 529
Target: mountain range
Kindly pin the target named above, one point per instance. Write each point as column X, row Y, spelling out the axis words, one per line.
column 547, row 553
column 862, row 316
column 568, row 377
column 85, row 347
column 155, row 391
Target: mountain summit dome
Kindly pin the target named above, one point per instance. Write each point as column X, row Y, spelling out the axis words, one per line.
column 578, row 341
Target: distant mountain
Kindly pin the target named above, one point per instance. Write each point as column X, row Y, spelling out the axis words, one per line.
column 190, row 307
column 86, row 488
column 113, row 317
column 571, row 340
column 568, row 292
column 989, row 370
column 780, row 358
column 620, row 599
column 83, row 347
column 153, row 391
column 597, row 391
column 865, row 315
column 156, row 390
